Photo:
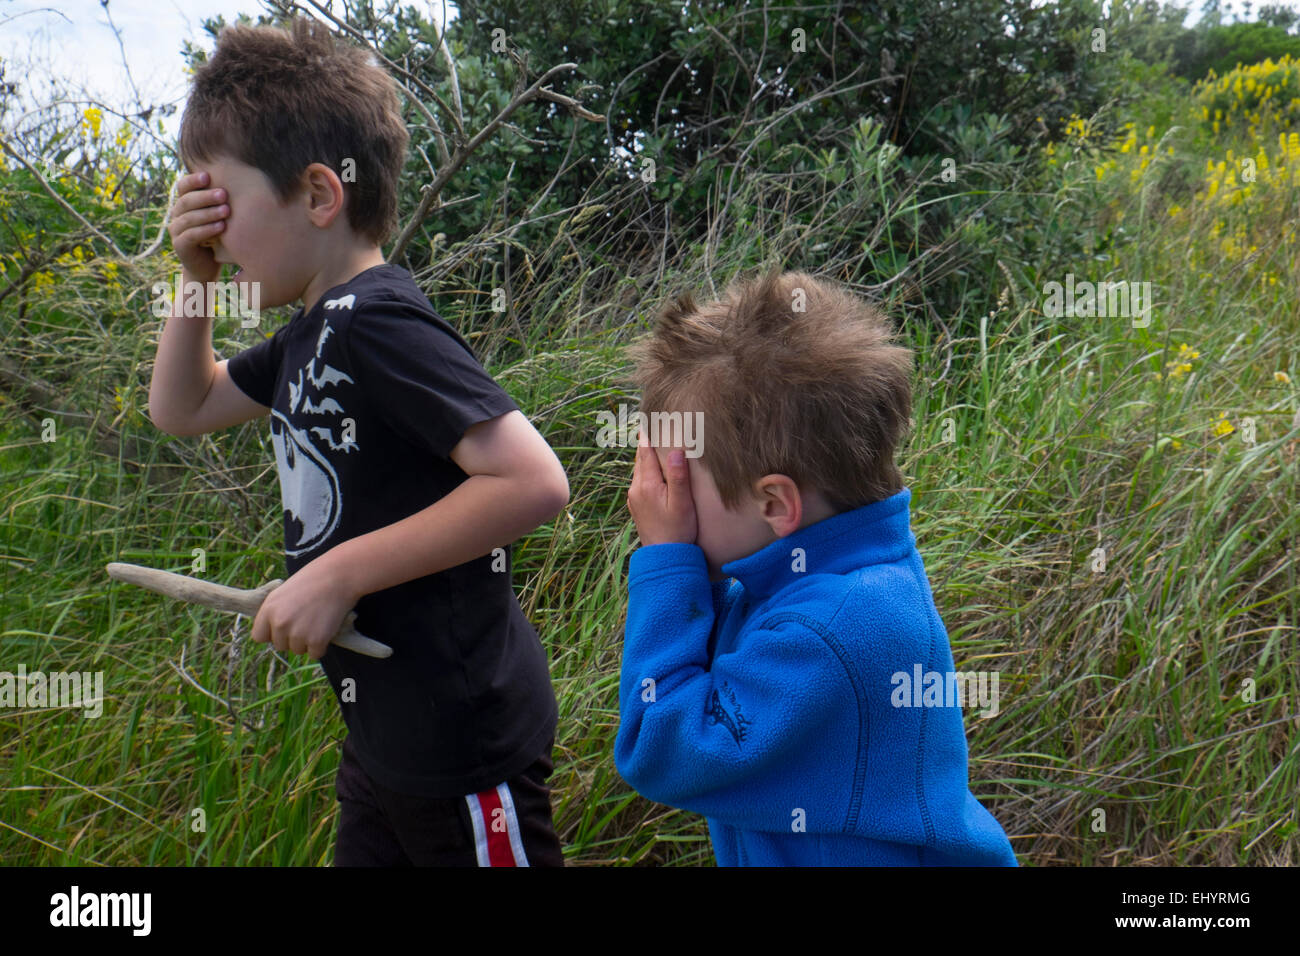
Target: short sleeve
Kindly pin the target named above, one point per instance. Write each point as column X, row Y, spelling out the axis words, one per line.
column 256, row 368
column 419, row 376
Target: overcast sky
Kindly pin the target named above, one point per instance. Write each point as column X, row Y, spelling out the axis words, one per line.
column 72, row 39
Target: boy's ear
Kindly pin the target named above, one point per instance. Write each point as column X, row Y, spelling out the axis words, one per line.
column 324, row 190
column 781, row 503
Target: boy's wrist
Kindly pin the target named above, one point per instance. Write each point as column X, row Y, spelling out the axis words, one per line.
column 343, row 571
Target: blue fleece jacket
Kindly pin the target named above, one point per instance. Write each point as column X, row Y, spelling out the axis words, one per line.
column 768, row 703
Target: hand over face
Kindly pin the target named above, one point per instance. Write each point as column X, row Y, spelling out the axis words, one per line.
column 661, row 502
column 197, row 217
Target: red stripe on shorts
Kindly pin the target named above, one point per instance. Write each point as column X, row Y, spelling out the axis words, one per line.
column 496, row 825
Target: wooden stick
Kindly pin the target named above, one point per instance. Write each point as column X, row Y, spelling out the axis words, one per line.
column 238, row 600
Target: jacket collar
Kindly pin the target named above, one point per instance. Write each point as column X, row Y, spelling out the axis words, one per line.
column 873, row 534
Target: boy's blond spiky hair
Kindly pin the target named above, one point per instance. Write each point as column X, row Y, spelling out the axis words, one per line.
column 820, row 395
column 282, row 99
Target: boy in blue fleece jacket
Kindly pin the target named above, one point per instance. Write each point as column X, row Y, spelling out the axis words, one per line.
column 778, row 607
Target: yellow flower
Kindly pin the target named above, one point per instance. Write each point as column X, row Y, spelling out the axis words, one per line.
column 91, row 121
column 1282, row 377
column 1223, row 426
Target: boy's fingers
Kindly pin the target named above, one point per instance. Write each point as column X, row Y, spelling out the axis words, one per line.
column 201, row 199
column 676, row 459
column 201, row 231
column 646, row 468
column 191, row 181
column 201, row 218
column 259, row 629
column 654, row 470
column 678, row 476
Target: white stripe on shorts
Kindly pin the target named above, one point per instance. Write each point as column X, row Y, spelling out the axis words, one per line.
column 512, row 825
column 480, row 832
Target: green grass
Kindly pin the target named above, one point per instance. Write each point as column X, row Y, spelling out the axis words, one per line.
column 1121, row 686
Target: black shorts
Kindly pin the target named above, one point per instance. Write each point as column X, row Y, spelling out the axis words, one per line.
column 508, row 825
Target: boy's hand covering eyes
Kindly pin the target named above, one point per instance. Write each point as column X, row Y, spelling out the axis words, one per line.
column 197, row 216
column 661, row 505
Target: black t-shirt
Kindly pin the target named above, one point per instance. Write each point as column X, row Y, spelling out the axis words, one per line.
column 369, row 393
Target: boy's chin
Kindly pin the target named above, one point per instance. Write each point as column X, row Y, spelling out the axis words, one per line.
column 271, row 300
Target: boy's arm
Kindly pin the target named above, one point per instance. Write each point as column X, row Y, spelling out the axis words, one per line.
column 182, row 368
column 515, row 484
column 723, row 739
column 224, row 405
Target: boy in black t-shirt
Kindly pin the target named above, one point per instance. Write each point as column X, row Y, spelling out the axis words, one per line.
column 405, row 470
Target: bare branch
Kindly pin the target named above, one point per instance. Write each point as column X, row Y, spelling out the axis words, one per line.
column 572, row 104
column 431, row 191
column 181, row 587
column 452, row 74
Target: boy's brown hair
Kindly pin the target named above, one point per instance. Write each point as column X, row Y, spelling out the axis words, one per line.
column 282, row 99
column 820, row 395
